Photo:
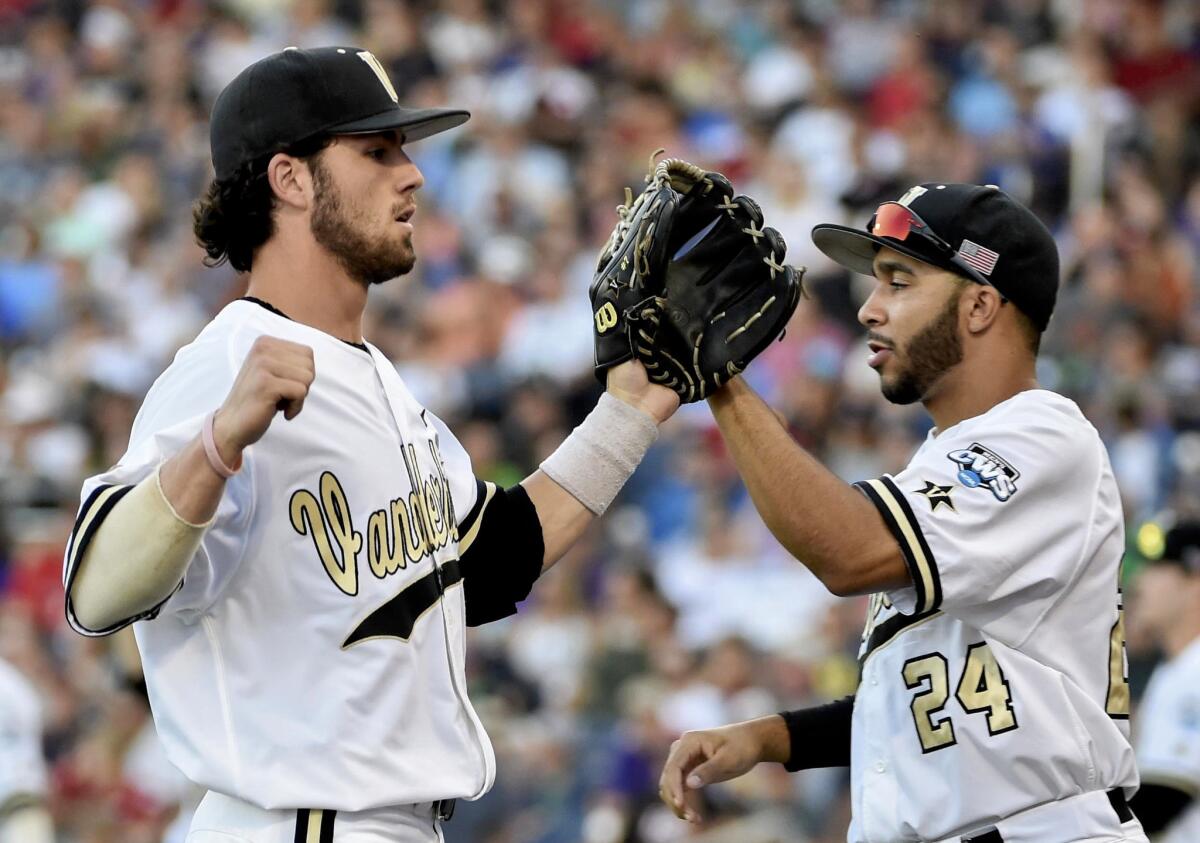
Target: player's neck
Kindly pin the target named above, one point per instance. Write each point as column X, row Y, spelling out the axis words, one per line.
column 307, row 283
column 971, row 390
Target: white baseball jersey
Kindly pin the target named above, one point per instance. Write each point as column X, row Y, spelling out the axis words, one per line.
column 313, row 655
column 1168, row 737
column 997, row 681
column 22, row 765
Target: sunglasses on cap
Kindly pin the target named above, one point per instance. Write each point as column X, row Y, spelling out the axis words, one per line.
column 899, row 222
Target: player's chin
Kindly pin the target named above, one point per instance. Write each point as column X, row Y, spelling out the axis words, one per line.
column 898, row 389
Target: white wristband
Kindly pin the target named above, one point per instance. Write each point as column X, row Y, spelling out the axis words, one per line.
column 594, row 462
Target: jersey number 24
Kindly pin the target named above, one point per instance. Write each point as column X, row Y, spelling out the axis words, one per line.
column 982, row 688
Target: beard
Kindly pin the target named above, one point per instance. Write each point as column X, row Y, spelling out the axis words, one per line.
column 343, row 229
column 935, row 350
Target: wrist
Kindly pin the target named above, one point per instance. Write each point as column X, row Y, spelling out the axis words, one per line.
column 728, row 393
column 226, row 455
column 642, row 403
column 593, row 463
column 774, row 739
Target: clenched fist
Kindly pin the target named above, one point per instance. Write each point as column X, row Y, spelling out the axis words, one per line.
column 275, row 377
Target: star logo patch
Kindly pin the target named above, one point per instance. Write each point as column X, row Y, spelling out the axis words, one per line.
column 936, row 495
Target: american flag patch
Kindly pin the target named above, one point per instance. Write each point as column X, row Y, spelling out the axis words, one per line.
column 978, row 257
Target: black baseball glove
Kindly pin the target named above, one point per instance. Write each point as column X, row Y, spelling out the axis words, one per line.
column 690, row 283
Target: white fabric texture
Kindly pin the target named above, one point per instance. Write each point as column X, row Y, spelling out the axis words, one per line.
column 279, row 672
column 223, row 819
column 996, row 681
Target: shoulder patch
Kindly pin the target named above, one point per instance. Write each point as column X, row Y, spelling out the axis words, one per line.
column 980, row 466
column 936, row 495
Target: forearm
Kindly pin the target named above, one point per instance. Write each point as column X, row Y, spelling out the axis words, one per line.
column 191, row 485
column 583, row 476
column 562, row 516
column 771, row 734
column 138, row 554
column 820, row 519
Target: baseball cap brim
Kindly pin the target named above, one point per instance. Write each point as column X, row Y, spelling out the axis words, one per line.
column 414, row 123
column 855, row 249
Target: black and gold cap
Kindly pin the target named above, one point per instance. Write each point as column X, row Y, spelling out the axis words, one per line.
column 296, row 94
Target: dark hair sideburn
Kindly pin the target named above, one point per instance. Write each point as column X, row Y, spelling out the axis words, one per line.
column 236, row 215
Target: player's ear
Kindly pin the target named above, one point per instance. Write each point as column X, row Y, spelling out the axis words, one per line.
column 291, row 182
column 983, row 305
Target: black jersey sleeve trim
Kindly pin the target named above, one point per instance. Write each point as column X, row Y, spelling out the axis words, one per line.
column 902, row 524
column 500, row 553
column 819, row 736
column 91, row 515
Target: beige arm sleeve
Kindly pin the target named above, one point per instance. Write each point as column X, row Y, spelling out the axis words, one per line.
column 29, row 824
column 136, row 559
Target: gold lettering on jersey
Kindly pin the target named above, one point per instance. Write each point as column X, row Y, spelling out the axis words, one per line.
column 405, row 532
column 331, row 514
column 381, row 552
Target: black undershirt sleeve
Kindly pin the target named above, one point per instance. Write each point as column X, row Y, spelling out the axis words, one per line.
column 820, row 736
column 1157, row 805
column 501, row 550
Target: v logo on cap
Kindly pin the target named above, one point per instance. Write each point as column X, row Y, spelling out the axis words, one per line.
column 374, row 64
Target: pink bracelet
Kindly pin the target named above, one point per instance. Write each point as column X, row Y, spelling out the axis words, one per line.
column 210, row 449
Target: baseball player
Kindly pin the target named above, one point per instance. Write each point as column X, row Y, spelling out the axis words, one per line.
column 1168, row 733
column 23, row 816
column 300, row 542
column 992, row 704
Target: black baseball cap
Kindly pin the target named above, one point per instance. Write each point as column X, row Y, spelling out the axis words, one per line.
column 977, row 231
column 294, row 95
column 1177, row 544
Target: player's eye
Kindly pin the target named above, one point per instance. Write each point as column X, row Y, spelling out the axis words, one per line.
column 897, row 285
column 377, row 153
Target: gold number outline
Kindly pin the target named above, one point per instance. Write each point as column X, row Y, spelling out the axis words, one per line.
column 974, row 655
column 931, row 736
column 1116, row 700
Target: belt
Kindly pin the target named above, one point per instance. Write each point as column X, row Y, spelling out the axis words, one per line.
column 1116, row 798
column 314, row 825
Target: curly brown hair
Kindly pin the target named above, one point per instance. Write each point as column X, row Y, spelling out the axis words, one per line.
column 237, row 215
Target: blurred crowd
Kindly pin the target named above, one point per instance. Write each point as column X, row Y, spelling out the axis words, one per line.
column 678, row 610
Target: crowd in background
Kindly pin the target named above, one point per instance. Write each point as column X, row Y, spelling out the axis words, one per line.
column 678, row 610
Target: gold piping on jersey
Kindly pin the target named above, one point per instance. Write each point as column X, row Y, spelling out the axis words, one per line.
column 475, row 516
column 903, row 525
column 91, row 515
column 314, row 826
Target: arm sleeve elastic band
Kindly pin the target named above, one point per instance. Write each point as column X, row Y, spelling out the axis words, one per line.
column 820, row 736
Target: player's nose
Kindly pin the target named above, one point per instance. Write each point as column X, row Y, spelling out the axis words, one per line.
column 872, row 313
column 408, row 176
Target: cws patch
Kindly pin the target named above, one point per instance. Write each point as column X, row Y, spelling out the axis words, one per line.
column 980, row 466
